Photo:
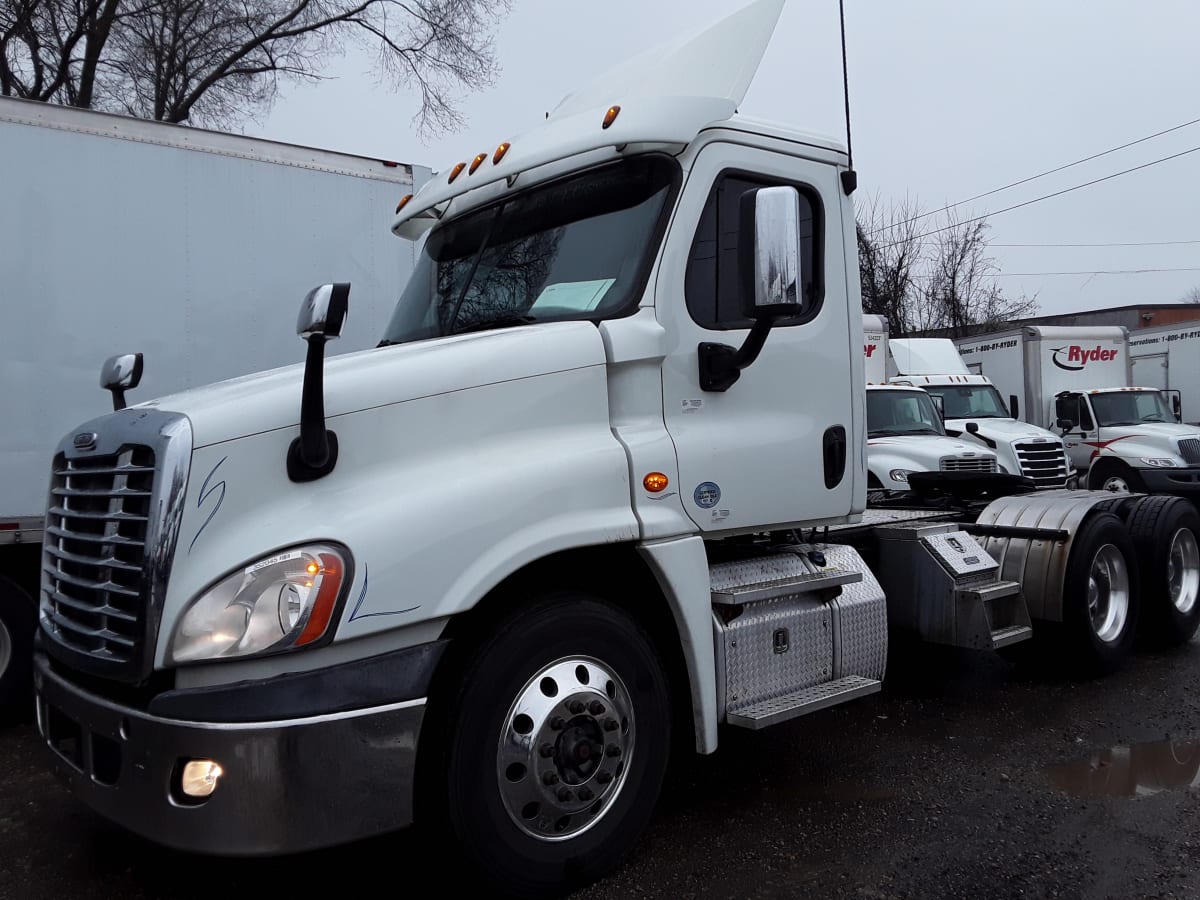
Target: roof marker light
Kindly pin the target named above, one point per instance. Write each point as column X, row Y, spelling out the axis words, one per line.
column 476, row 163
column 455, row 172
column 611, row 115
column 403, row 202
column 500, row 151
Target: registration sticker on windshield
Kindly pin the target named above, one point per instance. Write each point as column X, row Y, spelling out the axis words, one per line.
column 578, row 296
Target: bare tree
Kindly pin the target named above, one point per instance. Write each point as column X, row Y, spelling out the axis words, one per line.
column 1193, row 296
column 931, row 272
column 219, row 61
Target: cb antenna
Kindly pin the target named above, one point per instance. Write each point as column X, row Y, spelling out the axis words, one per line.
column 849, row 177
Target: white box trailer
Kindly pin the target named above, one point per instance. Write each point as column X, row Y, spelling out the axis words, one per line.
column 1168, row 358
column 1078, row 380
column 119, row 234
column 875, row 349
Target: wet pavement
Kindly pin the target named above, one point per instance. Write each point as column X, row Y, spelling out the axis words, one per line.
column 964, row 778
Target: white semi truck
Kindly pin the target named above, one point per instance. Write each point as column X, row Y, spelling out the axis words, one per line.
column 1168, row 358
column 1120, row 436
column 975, row 411
column 183, row 242
column 600, row 490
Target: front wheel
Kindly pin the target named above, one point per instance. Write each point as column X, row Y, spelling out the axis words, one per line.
column 557, row 745
column 1115, row 477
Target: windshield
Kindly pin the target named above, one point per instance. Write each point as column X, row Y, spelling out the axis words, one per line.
column 901, row 412
column 577, row 248
column 1130, row 408
column 970, row 401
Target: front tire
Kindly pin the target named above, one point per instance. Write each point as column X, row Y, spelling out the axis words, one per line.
column 1166, row 535
column 556, row 745
column 1116, row 477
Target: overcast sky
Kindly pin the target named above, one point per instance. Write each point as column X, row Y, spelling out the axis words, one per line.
column 950, row 98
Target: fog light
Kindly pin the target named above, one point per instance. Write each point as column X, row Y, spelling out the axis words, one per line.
column 200, row 777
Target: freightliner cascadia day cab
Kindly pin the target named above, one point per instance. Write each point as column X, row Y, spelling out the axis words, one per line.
column 974, row 410
column 1168, row 358
column 599, row 491
column 190, row 246
column 1121, row 437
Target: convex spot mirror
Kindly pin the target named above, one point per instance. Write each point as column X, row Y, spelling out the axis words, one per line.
column 769, row 246
column 323, row 311
column 122, row 372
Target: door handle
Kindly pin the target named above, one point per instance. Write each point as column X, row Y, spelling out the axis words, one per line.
column 833, row 449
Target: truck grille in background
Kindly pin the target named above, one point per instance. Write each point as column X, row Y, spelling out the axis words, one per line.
column 1045, row 463
column 1189, row 449
column 963, row 464
column 95, row 552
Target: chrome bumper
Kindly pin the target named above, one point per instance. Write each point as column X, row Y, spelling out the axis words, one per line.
column 287, row 785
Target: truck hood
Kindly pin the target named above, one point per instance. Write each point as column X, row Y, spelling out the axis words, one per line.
column 270, row 400
column 1151, row 441
column 1007, row 430
column 924, row 449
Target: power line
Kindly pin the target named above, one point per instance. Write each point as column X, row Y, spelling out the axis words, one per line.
column 1069, row 165
column 1076, row 187
column 1113, row 244
column 1095, row 272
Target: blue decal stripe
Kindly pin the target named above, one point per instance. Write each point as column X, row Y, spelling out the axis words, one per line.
column 362, row 595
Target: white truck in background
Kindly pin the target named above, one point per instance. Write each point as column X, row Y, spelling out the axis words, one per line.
column 973, row 410
column 584, row 504
column 183, row 242
column 1168, row 358
column 1077, row 380
column 875, row 335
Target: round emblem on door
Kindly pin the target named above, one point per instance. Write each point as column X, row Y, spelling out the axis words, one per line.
column 707, row 495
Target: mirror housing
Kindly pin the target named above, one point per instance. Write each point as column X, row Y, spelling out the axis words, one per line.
column 1065, row 425
column 1014, row 406
column 770, row 280
column 314, row 453
column 972, row 427
column 119, row 374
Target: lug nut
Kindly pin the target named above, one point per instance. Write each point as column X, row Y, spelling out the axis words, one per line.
column 613, row 750
column 596, row 708
column 564, row 794
column 610, row 725
column 585, row 795
column 557, row 723
column 604, row 777
column 546, row 750
column 550, row 778
column 576, row 707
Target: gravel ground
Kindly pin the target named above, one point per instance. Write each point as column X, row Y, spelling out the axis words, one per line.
column 948, row 784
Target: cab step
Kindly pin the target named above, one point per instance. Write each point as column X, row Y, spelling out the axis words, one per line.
column 801, row 702
column 1013, row 634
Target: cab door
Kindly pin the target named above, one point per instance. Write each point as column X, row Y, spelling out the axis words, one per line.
column 777, row 447
column 1081, row 438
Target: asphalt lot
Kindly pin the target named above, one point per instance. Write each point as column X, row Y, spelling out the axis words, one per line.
column 964, row 778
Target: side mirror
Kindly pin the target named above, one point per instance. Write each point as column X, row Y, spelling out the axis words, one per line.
column 1177, row 405
column 1065, row 425
column 314, row 453
column 769, row 253
column 120, row 374
column 939, row 404
column 1014, row 407
column 972, row 427
column 770, row 279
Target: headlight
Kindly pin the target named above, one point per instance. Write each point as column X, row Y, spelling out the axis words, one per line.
column 1160, row 463
column 900, row 475
column 283, row 601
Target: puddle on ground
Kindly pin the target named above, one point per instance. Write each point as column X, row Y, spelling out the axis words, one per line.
column 1132, row 771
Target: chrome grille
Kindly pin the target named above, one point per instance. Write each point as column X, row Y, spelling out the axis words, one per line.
column 1189, row 449
column 94, row 552
column 1045, row 463
column 968, row 464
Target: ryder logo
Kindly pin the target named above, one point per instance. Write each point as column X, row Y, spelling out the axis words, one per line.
column 869, row 350
column 1075, row 358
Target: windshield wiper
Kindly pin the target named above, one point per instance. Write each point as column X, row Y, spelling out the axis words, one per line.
column 505, row 321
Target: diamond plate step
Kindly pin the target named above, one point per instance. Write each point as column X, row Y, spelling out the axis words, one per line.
column 998, row 590
column 1002, row 637
column 774, row 575
column 801, row 702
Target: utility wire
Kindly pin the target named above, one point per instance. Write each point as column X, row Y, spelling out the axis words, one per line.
column 1069, row 165
column 1114, row 244
column 1089, row 272
column 1076, row 187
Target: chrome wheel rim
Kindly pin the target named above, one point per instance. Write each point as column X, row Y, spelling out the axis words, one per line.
column 6, row 648
column 565, row 748
column 1108, row 593
column 1183, row 570
column 1115, row 484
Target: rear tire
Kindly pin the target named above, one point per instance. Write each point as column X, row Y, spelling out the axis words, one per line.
column 1116, row 477
column 17, row 621
column 555, row 747
column 1166, row 537
column 1101, row 599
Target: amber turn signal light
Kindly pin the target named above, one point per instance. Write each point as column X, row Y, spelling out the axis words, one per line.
column 500, row 151
column 655, row 482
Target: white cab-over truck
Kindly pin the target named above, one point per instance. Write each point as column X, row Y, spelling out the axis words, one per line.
column 1121, row 437
column 601, row 487
column 974, row 410
column 188, row 244
column 1168, row 358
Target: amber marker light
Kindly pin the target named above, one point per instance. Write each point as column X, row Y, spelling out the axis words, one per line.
column 403, row 202
column 500, row 151
column 655, row 482
column 455, row 172
column 476, row 163
column 611, row 115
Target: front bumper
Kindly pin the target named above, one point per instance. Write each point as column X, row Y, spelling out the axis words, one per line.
column 288, row 785
column 1172, row 481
